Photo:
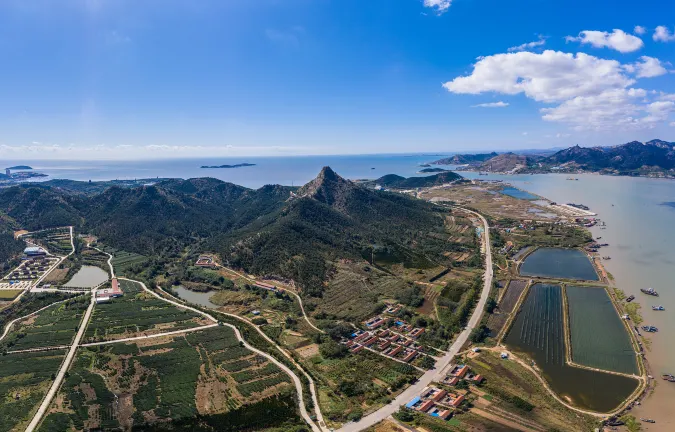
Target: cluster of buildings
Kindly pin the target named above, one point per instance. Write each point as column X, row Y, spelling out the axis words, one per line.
column 205, row 261
column 34, row 265
column 388, row 335
column 436, row 402
column 107, row 294
column 460, row 372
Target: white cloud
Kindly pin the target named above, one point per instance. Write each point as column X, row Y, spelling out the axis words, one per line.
column 649, row 67
column 617, row 40
column 440, row 6
column 590, row 93
column 639, row 30
column 623, row 109
column 662, row 34
column 551, row 76
column 499, row 104
column 672, row 124
column 524, row 133
column 529, row 45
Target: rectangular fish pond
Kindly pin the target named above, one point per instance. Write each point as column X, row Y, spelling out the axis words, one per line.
column 559, row 263
column 538, row 332
column 599, row 338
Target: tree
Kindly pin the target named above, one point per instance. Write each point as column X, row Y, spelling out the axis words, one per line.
column 331, row 349
column 490, row 305
column 479, row 334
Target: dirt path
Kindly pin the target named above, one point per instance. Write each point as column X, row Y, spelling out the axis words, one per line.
column 502, row 420
column 302, row 307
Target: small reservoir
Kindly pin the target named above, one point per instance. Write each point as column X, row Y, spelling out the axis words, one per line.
column 518, row 193
column 538, row 331
column 88, row 277
column 559, row 263
column 599, row 338
column 198, row 298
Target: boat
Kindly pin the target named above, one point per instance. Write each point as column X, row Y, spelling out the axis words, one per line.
column 650, row 329
column 607, row 257
column 630, row 298
column 598, row 238
column 668, row 377
column 649, row 291
column 658, row 308
column 646, row 420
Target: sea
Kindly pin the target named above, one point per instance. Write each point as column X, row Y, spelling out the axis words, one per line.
column 639, row 214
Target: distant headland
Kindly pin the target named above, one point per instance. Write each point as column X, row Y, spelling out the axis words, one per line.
column 20, row 167
column 229, row 166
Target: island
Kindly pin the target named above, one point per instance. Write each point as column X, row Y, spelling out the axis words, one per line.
column 431, row 170
column 20, row 167
column 228, row 166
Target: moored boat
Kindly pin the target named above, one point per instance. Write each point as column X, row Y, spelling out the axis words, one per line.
column 649, row 291
column 650, row 329
column 630, row 298
column 668, row 377
column 658, row 308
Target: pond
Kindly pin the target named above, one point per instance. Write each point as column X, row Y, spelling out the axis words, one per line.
column 539, row 333
column 599, row 337
column 88, row 277
column 198, row 298
column 559, row 263
column 518, row 193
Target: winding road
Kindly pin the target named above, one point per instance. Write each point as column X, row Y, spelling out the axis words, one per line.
column 443, row 363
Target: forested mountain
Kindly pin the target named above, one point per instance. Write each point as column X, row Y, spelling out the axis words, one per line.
column 398, row 182
column 655, row 157
column 276, row 230
column 462, row 159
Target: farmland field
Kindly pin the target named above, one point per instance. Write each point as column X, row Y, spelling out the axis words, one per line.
column 54, row 326
column 342, row 300
column 24, row 380
column 204, row 374
column 559, row 263
column 9, row 294
column 137, row 312
column 357, row 383
column 599, row 338
column 122, row 260
column 538, row 332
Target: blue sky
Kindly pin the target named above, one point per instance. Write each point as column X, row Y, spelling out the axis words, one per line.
column 90, row 79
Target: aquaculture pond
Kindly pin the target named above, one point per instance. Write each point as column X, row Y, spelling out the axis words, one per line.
column 88, row 277
column 559, row 263
column 518, row 193
column 538, row 332
column 599, row 338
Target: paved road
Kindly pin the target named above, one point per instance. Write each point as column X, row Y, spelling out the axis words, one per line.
column 443, row 363
column 44, row 406
column 312, row 388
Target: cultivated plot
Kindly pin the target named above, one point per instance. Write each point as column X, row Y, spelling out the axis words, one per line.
column 24, row 381
column 206, row 374
column 137, row 313
column 599, row 338
column 54, row 326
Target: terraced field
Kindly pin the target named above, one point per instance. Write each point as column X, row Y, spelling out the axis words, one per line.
column 24, row 380
column 137, row 313
column 206, row 374
column 122, row 260
column 54, row 326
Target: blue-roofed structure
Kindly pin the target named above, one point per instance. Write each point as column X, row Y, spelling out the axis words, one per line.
column 412, row 402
